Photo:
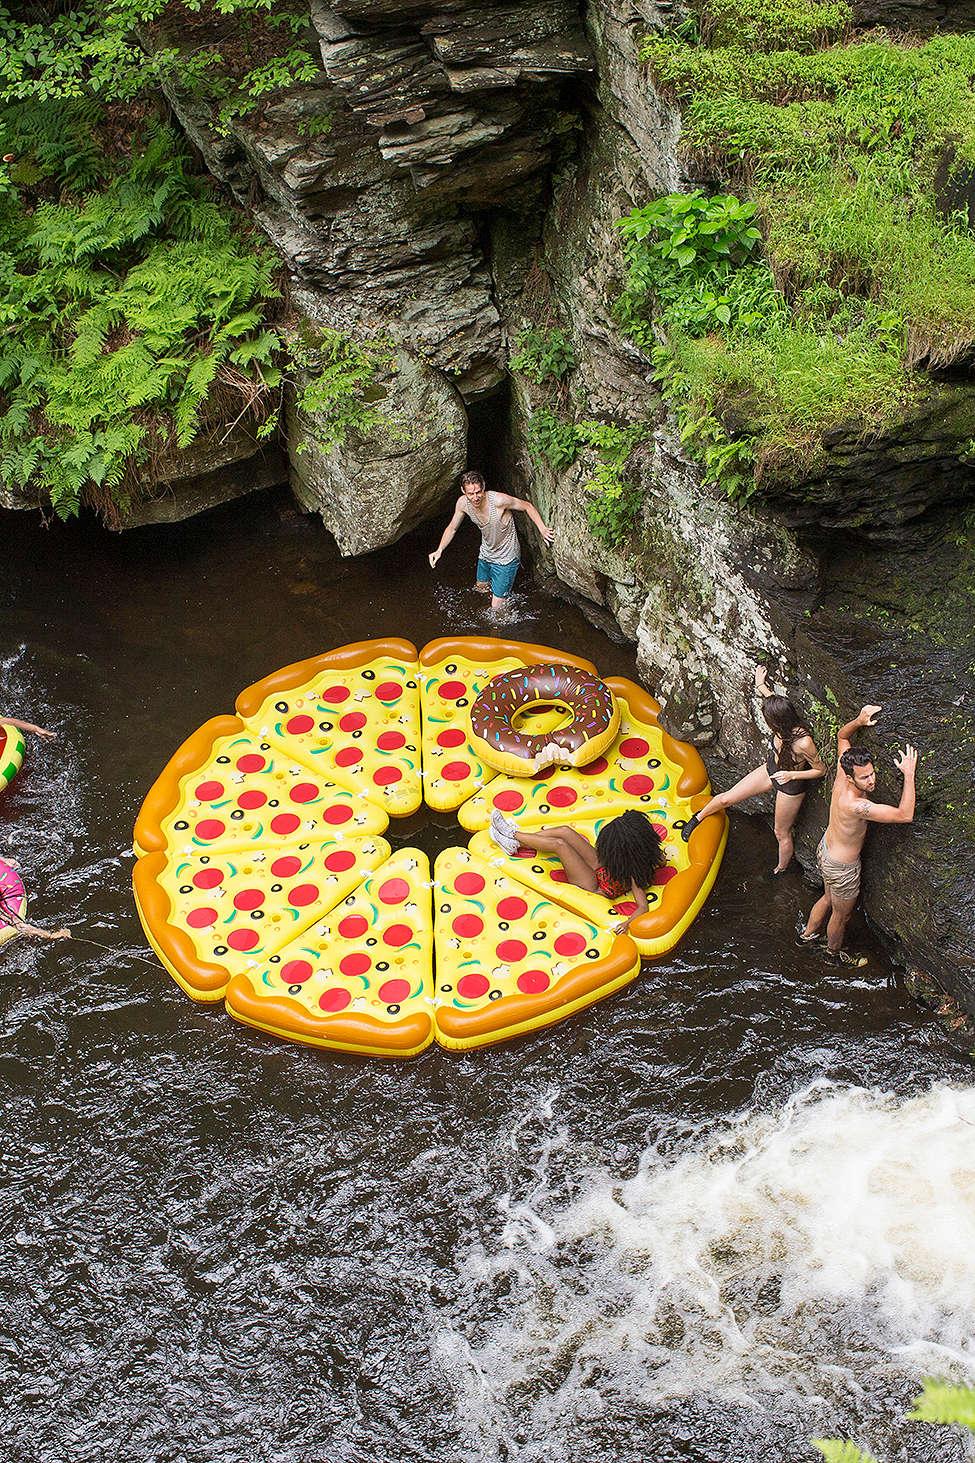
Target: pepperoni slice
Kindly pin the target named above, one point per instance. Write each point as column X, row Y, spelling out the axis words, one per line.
column 394, row 891
column 335, row 695
column 394, row 991
column 511, row 951
column 397, row 935
column 451, row 690
column 285, row 823
column 304, row 792
column 252, row 799
column 294, row 972
column 248, row 899
column 208, row 878
column 592, row 769
column 637, row 785
column 507, row 802
column 390, row 741
column 348, row 757
column 353, row 926
column 664, row 875
column 199, row 919
column 354, row 964
column 571, row 943
column 340, row 860
column 512, row 907
column 452, row 737
column 250, row 762
column 338, row 813
column 209, row 828
column 388, row 691
column 533, row 982
column 469, row 883
column 633, row 747
column 562, row 797
column 302, row 895
column 383, row 776
column 353, row 721
column 243, row 939
column 467, row 926
column 208, row 792
column 456, row 771
column 299, row 724
column 473, row 985
column 335, row 998
column 285, row 867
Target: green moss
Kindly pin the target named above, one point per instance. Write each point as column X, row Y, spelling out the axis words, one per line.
column 849, row 155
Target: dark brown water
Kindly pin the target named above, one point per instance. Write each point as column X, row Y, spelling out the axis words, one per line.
column 684, row 1225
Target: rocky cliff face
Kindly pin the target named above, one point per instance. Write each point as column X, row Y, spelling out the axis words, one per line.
column 453, row 175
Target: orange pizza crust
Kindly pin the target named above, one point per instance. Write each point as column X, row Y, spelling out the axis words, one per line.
column 348, row 657
column 358, row 1033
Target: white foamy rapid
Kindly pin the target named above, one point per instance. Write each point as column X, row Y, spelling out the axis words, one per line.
column 806, row 1256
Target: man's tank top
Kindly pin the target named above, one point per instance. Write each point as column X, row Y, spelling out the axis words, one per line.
column 499, row 536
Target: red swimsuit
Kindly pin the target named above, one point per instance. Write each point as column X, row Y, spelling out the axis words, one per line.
column 608, row 886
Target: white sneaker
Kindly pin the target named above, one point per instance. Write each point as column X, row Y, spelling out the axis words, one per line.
column 504, row 840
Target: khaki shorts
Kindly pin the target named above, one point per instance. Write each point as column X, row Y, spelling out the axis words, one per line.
column 843, row 880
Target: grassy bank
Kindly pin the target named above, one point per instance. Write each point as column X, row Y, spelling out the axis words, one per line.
column 845, row 274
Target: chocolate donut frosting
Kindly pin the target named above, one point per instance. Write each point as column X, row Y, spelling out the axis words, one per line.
column 587, row 697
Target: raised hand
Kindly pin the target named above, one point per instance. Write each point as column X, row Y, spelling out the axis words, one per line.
column 761, row 678
column 868, row 715
column 906, row 761
column 547, row 534
column 434, row 558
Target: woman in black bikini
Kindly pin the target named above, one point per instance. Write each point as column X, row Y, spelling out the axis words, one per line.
column 791, row 764
column 623, row 863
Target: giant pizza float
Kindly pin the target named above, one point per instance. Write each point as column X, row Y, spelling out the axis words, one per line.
column 263, row 878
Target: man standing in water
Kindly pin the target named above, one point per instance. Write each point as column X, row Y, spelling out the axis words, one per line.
column 851, row 809
column 500, row 554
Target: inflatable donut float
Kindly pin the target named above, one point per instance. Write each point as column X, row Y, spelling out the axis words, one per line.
column 13, row 900
column 263, row 879
column 509, row 742
column 11, row 753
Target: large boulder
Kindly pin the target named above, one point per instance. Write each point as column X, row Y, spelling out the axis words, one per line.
column 372, row 488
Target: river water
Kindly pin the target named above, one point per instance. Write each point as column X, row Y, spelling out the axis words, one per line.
column 730, row 1208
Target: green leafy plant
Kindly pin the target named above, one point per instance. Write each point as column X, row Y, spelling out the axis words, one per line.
column 543, row 355
column 939, row 1402
column 613, row 501
column 551, row 439
column 340, row 384
column 864, row 279
column 128, row 316
column 799, row 25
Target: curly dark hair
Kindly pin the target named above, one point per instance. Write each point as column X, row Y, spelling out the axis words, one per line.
column 629, row 849
column 784, row 720
column 855, row 757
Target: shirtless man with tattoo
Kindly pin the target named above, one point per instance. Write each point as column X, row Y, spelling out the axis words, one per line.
column 851, row 811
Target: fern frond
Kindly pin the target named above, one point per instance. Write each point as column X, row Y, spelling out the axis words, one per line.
column 835, row 1450
column 942, row 1402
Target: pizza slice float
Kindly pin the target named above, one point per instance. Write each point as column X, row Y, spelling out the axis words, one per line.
column 509, row 961
column 360, row 980
column 352, row 714
column 644, row 768
column 210, row 915
column 453, row 672
column 227, row 787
